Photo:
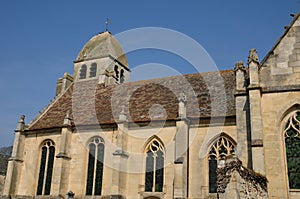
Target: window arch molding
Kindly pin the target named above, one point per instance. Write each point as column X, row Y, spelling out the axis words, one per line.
column 149, row 140
column 218, row 136
column 45, row 169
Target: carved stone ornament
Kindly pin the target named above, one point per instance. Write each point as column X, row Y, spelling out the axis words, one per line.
column 239, row 66
column 253, row 57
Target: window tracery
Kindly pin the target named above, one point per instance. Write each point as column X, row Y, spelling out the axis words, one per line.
column 292, row 149
column 154, row 177
column 46, row 168
column 220, row 150
column 95, row 166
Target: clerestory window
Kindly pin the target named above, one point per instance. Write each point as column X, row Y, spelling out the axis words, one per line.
column 220, row 150
column 154, row 178
column 46, row 168
column 95, row 166
column 292, row 149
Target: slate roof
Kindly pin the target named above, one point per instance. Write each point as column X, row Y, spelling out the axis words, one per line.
column 207, row 94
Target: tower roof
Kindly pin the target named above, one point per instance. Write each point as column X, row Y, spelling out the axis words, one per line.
column 102, row 45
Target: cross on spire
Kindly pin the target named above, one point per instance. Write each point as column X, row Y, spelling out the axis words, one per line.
column 106, row 24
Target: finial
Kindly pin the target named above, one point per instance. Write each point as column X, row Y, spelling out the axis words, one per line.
column 239, row 66
column 182, row 106
column 182, row 97
column 106, row 24
column 122, row 116
column 253, row 57
column 21, row 123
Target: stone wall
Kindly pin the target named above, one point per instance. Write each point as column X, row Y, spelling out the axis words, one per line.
column 238, row 182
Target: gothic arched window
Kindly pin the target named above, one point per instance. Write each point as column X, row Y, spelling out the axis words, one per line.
column 154, row 177
column 292, row 149
column 220, row 150
column 93, row 70
column 46, row 168
column 82, row 72
column 95, row 167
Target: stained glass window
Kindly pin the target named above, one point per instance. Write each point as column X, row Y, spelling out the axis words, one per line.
column 95, row 167
column 46, row 168
column 292, row 149
column 154, row 177
column 221, row 149
column 82, row 74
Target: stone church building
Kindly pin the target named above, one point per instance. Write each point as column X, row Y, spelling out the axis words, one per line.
column 193, row 136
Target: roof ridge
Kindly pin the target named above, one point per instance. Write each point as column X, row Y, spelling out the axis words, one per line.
column 176, row 76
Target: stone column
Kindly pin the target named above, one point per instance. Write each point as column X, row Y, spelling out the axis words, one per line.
column 15, row 162
column 181, row 163
column 119, row 176
column 62, row 168
column 255, row 114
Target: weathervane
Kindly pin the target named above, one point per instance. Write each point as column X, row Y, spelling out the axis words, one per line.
column 106, row 24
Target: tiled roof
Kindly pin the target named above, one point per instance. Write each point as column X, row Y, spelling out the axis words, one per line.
column 207, row 94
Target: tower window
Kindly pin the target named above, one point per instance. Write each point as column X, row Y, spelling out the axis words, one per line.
column 93, row 70
column 292, row 149
column 82, row 74
column 122, row 77
column 46, row 168
column 95, row 167
column 220, row 150
column 116, row 69
column 154, row 177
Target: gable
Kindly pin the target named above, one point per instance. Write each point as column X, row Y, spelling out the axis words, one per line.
column 281, row 66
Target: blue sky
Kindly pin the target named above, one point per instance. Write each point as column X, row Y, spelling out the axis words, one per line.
column 39, row 40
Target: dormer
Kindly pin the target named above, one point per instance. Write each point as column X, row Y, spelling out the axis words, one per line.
column 102, row 57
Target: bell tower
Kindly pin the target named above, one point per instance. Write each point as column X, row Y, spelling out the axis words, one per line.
column 102, row 57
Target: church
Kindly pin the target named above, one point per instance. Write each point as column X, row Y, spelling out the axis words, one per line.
column 194, row 136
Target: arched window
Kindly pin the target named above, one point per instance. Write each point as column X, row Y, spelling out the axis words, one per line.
column 46, row 168
column 122, row 77
column 221, row 149
column 154, row 177
column 292, row 149
column 95, row 167
column 82, row 74
column 116, row 69
column 93, row 70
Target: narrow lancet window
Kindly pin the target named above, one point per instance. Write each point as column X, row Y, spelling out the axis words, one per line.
column 220, row 150
column 95, row 167
column 154, row 177
column 46, row 168
column 292, row 149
